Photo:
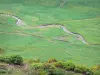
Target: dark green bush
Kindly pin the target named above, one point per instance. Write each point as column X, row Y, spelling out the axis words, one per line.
column 5, row 59
column 2, row 59
column 17, row 60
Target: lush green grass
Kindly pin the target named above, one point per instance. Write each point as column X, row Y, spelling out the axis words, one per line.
column 89, row 28
column 79, row 16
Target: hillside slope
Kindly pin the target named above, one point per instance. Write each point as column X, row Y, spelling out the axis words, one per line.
column 34, row 41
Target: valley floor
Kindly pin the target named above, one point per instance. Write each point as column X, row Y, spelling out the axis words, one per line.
column 69, row 32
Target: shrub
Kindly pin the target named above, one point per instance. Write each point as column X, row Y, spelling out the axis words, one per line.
column 89, row 72
column 52, row 60
column 37, row 72
column 96, row 68
column 80, row 69
column 69, row 66
column 47, row 66
column 56, row 71
column 3, row 68
column 97, row 72
column 3, row 71
column 37, row 66
column 36, row 60
column 65, row 65
column 83, row 69
column 59, row 64
column 52, row 70
column 17, row 60
column 2, row 59
column 5, row 59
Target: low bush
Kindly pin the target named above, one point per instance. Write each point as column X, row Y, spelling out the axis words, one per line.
column 37, row 66
column 2, row 71
column 83, row 69
column 36, row 60
column 37, row 72
column 52, row 60
column 17, row 60
column 65, row 65
column 96, row 68
column 5, row 59
column 47, row 66
column 3, row 68
column 97, row 72
column 56, row 71
column 52, row 67
column 33, row 61
column 69, row 66
column 59, row 64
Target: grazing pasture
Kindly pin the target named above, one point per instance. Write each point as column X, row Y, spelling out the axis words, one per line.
column 32, row 40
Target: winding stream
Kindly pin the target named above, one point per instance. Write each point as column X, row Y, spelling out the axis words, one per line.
column 78, row 35
column 21, row 23
column 66, row 30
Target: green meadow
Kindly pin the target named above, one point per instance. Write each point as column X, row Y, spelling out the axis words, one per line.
column 31, row 41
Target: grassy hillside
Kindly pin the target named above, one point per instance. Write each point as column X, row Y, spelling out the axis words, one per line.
column 54, row 2
column 32, row 41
